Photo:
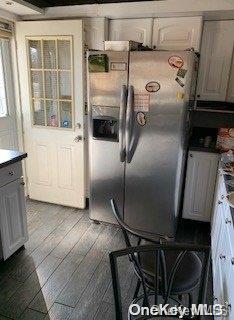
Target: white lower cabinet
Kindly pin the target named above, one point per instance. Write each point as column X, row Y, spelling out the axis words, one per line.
column 200, row 185
column 13, row 224
column 222, row 242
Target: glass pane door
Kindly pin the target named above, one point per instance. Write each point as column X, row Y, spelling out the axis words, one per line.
column 51, row 77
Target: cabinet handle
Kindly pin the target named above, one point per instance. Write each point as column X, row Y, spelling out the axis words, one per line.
column 227, row 305
column 228, row 221
column 222, row 256
column 11, row 173
column 232, row 261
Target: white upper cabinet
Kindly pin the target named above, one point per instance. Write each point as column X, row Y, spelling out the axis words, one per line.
column 139, row 30
column 95, row 33
column 177, row 33
column 200, row 185
column 215, row 61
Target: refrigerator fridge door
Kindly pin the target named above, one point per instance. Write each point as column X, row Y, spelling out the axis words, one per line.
column 160, row 83
column 107, row 79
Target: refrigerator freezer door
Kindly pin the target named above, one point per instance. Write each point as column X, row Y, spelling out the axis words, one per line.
column 154, row 174
column 106, row 103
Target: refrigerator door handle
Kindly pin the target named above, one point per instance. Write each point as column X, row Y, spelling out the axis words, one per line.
column 129, row 115
column 122, row 112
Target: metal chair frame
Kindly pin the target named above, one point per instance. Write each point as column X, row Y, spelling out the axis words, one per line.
column 158, row 249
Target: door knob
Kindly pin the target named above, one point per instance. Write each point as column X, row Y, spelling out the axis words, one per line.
column 78, row 138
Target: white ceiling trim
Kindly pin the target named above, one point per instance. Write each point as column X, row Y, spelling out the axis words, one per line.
column 6, row 15
column 20, row 7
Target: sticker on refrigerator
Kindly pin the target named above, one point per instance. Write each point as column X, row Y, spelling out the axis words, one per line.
column 181, row 73
column 141, row 102
column 176, row 62
column 98, row 63
column 152, row 86
column 179, row 82
column 180, row 95
column 141, row 118
column 118, row 66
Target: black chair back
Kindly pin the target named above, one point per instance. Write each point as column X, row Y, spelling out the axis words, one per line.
column 157, row 250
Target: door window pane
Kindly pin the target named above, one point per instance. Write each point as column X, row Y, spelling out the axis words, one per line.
column 50, row 65
column 65, row 114
column 37, row 84
column 51, row 84
column 38, row 112
column 52, row 113
column 64, row 55
column 65, row 85
column 35, row 54
column 49, row 53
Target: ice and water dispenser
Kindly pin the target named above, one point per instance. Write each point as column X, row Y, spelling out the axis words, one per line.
column 105, row 123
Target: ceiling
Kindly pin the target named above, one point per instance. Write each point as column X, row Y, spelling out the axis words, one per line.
column 53, row 3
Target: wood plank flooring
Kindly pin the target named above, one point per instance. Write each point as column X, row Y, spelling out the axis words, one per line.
column 63, row 272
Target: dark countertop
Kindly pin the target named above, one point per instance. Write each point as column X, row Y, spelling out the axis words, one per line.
column 10, row 156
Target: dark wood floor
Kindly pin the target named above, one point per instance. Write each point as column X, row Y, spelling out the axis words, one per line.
column 63, row 273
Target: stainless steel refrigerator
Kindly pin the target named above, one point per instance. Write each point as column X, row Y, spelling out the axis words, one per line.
column 138, row 127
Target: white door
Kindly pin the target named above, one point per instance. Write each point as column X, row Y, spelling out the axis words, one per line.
column 8, row 129
column 139, row 30
column 12, row 217
column 200, row 185
column 215, row 62
column 50, row 55
column 177, row 33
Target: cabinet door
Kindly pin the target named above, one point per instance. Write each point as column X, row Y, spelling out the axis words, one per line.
column 230, row 93
column 177, row 33
column 95, row 33
column 139, row 30
column 200, row 185
column 215, row 62
column 230, row 301
column 219, row 266
column 13, row 223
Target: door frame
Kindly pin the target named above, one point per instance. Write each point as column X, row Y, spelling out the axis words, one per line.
column 19, row 112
